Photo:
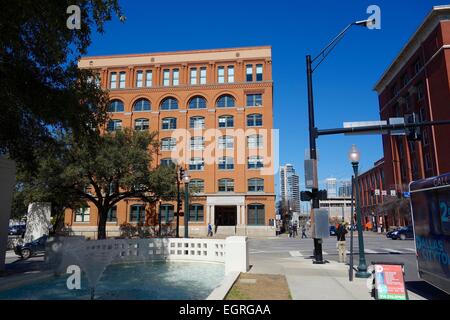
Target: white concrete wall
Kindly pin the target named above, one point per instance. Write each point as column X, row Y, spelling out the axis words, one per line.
column 7, row 182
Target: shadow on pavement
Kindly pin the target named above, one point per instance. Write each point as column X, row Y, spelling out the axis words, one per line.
column 426, row 290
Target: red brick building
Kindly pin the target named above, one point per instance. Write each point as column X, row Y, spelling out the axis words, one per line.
column 418, row 82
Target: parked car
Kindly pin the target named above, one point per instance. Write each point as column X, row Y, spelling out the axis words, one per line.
column 32, row 248
column 332, row 230
column 17, row 230
column 389, row 234
column 403, row 233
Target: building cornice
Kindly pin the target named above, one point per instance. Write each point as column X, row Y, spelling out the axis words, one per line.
column 430, row 23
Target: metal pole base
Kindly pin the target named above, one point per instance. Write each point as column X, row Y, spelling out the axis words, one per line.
column 363, row 274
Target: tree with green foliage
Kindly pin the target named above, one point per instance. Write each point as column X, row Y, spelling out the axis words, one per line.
column 41, row 87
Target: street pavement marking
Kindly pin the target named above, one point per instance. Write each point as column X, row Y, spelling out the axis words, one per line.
column 411, row 249
column 370, row 251
column 393, row 251
column 324, row 253
column 295, row 254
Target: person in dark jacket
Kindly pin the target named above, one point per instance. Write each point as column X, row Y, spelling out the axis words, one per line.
column 341, row 231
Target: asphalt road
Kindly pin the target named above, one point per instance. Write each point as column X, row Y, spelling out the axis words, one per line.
column 377, row 249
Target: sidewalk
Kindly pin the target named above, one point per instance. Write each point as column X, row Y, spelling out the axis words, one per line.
column 308, row 281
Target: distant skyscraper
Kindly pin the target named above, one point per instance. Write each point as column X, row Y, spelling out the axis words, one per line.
column 331, row 186
column 290, row 187
column 345, row 189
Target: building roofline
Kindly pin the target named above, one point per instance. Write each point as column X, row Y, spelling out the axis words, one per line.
column 175, row 52
column 386, row 77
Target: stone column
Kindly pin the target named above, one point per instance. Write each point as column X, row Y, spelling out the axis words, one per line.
column 238, row 213
column 243, row 215
column 211, row 210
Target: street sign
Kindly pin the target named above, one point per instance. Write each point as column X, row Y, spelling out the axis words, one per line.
column 321, row 221
column 393, row 193
column 377, row 192
column 384, row 193
column 311, row 180
column 400, row 132
column 407, row 194
column 278, row 217
column 389, row 281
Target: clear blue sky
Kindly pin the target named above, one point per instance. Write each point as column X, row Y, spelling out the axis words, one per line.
column 343, row 84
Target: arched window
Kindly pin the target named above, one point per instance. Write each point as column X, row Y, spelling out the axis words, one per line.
column 197, row 186
column 197, row 103
column 116, row 106
column 254, row 120
column 256, row 185
column 225, row 101
column 197, row 122
column 196, row 164
column 256, row 215
column 114, row 125
column 255, row 162
column 137, row 213
column 166, row 213
column 226, row 163
column 169, row 104
column 142, row 105
column 141, row 124
column 196, row 213
column 226, row 185
column 226, row 122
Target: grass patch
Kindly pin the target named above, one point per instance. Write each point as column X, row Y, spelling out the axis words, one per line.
column 259, row 287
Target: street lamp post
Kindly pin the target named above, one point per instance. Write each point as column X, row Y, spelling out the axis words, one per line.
column 159, row 218
column 354, row 156
column 186, row 180
column 178, row 178
column 310, row 68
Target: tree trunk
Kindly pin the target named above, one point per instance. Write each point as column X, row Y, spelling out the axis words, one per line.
column 103, row 214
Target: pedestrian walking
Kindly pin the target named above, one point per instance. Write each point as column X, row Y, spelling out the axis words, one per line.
column 290, row 230
column 210, row 232
column 304, row 232
column 295, row 229
column 340, row 234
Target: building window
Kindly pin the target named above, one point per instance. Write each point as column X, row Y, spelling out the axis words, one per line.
column 256, row 185
column 122, row 78
column 168, row 162
column 139, row 79
column 169, row 104
column 203, row 75
column 149, row 78
column 197, row 123
column 226, row 163
column 116, row 106
column 405, row 80
column 259, row 72
column 226, row 122
column 176, row 77
column 221, row 74
column 255, row 162
column 230, row 74
column 193, row 76
column 197, row 186
column 141, row 124
column 112, row 215
column 166, row 77
column 196, row 213
column 422, row 114
column 168, row 144
column 196, row 164
column 225, row 101
column 255, row 141
column 420, row 92
column 114, row 125
column 169, row 124
column 418, row 66
column 113, row 82
column 254, row 120
column 428, row 161
column 226, row 185
column 254, row 100
column 82, row 214
column 197, row 143
column 426, row 137
column 167, row 213
column 197, row 103
column 142, row 105
column 226, row 142
column 249, row 73
column 256, row 215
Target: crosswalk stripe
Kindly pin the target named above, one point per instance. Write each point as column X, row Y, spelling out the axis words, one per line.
column 295, row 254
column 324, row 253
column 370, row 251
column 410, row 249
column 392, row 251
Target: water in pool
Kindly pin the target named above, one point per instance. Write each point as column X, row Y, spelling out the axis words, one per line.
column 135, row 281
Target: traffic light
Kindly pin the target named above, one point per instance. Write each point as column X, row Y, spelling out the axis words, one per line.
column 413, row 134
column 322, row 195
column 306, row 196
column 181, row 173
